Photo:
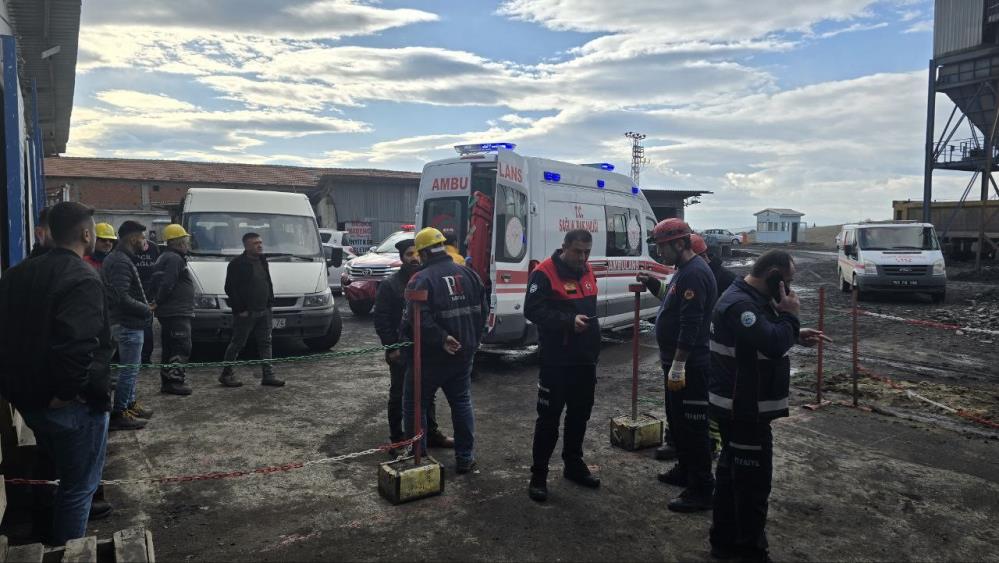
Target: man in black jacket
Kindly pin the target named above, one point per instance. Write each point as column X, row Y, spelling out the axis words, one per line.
column 174, row 299
column 389, row 305
column 145, row 263
column 251, row 296
column 130, row 315
column 562, row 302
column 42, row 234
column 55, row 350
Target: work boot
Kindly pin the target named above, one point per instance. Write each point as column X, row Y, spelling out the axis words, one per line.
column 125, row 420
column 582, row 476
column 538, row 488
column 666, row 452
column 463, row 466
column 725, row 553
column 228, row 378
column 676, row 476
column 99, row 510
column 690, row 501
column 271, row 381
column 140, row 410
column 437, row 439
column 173, row 387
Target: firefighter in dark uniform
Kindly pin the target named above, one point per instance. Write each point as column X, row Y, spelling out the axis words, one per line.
column 562, row 302
column 682, row 328
column 712, row 253
column 755, row 324
column 452, row 322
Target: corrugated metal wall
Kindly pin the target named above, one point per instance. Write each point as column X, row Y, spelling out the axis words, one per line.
column 957, row 25
column 385, row 206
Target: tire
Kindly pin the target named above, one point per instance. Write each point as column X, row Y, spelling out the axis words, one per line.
column 332, row 336
column 843, row 285
column 736, row 242
column 939, row 297
column 361, row 308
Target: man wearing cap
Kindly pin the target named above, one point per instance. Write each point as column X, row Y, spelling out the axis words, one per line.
column 682, row 329
column 106, row 239
column 452, row 322
column 130, row 313
column 174, row 299
column 389, row 305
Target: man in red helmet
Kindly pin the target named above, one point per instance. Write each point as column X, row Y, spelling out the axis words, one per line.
column 682, row 329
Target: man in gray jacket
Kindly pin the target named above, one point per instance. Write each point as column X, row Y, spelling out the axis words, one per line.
column 174, row 299
column 129, row 315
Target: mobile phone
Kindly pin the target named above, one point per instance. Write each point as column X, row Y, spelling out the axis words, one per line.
column 773, row 284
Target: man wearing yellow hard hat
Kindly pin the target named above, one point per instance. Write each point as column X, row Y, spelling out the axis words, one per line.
column 452, row 322
column 174, row 300
column 106, row 239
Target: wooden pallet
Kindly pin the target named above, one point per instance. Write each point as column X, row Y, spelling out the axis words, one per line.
column 134, row 545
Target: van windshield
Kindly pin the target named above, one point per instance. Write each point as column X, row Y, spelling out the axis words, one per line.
column 221, row 234
column 897, row 238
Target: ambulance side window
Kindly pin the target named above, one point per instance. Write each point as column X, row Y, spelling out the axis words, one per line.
column 511, row 224
column 650, row 223
column 624, row 232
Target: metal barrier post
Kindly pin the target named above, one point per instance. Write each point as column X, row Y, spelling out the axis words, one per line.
column 856, row 362
column 822, row 327
column 637, row 289
column 417, row 298
column 634, row 433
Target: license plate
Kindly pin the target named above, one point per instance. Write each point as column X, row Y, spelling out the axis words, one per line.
column 905, row 282
column 278, row 323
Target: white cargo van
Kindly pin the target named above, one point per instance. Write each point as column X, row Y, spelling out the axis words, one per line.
column 892, row 256
column 217, row 220
column 508, row 212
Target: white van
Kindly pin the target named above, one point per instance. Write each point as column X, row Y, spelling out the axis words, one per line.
column 891, row 256
column 530, row 204
column 217, row 220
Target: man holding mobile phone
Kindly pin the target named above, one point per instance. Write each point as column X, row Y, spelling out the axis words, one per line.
column 754, row 325
column 682, row 332
column 562, row 302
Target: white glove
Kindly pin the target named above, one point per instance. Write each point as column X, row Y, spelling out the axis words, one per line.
column 677, row 378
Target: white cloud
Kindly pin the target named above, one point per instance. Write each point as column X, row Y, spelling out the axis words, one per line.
column 852, row 29
column 925, row 26
column 132, row 101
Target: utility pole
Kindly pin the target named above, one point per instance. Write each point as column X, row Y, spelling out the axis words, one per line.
column 638, row 159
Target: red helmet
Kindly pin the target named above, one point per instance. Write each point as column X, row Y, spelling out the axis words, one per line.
column 697, row 244
column 670, row 229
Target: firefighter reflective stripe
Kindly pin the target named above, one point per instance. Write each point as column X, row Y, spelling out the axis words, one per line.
column 719, row 401
column 746, row 447
column 459, row 312
column 771, row 406
column 722, row 350
column 697, row 403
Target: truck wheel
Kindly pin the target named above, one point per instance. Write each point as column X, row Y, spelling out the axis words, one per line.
column 361, row 308
column 328, row 340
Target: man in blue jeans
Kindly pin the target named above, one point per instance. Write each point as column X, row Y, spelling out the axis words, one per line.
column 55, row 351
column 130, row 314
column 451, row 325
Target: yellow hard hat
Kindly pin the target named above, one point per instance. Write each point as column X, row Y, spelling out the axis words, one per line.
column 105, row 231
column 428, row 237
column 173, row 231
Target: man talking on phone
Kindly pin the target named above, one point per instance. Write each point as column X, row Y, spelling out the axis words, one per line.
column 682, row 332
column 754, row 325
column 562, row 302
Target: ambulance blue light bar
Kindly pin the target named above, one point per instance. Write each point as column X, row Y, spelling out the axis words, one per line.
column 634, row 190
column 483, row 147
column 600, row 183
column 601, row 165
column 552, row 176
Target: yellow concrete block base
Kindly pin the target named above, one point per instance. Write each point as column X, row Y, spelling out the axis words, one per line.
column 645, row 432
column 401, row 480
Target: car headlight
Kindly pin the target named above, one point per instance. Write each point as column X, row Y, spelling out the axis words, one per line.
column 870, row 268
column 318, row 300
column 205, row 301
column 939, row 268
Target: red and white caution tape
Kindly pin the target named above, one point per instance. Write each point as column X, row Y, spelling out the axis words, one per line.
column 913, row 395
column 232, row 474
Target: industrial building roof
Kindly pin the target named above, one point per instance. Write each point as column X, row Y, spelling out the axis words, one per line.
column 781, row 211
column 207, row 172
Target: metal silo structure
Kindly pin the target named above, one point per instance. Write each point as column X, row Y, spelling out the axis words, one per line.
column 965, row 67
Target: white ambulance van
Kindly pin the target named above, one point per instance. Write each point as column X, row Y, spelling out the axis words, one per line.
column 508, row 212
column 303, row 304
column 892, row 256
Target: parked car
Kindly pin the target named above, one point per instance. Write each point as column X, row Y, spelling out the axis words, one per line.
column 361, row 279
column 335, row 273
column 723, row 236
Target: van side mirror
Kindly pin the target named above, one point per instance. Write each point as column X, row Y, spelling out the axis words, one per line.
column 334, row 256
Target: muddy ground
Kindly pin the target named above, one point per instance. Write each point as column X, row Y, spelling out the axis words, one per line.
column 849, row 484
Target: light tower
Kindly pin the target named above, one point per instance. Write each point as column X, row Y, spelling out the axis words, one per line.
column 638, row 159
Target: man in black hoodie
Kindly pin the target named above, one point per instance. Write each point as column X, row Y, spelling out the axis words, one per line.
column 389, row 306
column 174, row 299
column 55, row 350
column 562, row 301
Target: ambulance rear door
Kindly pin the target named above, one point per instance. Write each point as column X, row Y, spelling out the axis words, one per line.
column 510, row 248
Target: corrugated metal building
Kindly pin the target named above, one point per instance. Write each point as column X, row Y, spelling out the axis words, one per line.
column 369, row 209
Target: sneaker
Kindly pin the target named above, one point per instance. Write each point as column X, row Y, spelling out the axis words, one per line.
column 676, row 476
column 126, row 421
column 666, row 452
column 463, row 466
column 175, row 388
column 537, row 490
column 140, row 410
column 437, row 439
column 690, row 501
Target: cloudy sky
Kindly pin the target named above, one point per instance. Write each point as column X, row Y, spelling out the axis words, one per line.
column 816, row 105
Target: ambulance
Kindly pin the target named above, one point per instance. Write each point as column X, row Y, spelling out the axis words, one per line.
column 507, row 213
